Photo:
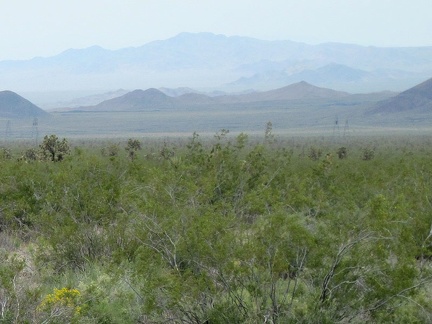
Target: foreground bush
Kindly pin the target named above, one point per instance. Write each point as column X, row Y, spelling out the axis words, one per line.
column 225, row 231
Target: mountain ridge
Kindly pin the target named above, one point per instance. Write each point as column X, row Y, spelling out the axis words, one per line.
column 206, row 60
column 154, row 99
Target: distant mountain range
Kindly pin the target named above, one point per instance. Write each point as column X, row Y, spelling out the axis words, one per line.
column 13, row 105
column 416, row 101
column 205, row 61
column 336, row 76
column 154, row 99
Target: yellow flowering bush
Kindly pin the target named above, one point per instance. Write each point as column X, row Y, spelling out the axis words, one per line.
column 62, row 302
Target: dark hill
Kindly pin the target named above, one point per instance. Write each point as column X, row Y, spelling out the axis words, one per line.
column 135, row 100
column 418, row 98
column 13, row 105
column 304, row 90
column 297, row 91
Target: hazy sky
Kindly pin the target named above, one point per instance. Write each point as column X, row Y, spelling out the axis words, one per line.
column 30, row 28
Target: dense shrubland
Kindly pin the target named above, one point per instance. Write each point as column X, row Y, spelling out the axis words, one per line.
column 228, row 230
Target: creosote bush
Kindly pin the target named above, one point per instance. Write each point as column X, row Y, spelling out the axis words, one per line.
column 230, row 229
column 112, row 150
column 342, row 152
column 6, row 153
column 368, row 154
column 314, row 153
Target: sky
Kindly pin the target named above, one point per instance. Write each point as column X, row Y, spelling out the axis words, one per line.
column 31, row 28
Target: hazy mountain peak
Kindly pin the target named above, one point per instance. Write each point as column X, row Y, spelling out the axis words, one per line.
column 151, row 93
column 175, row 92
column 93, row 48
column 6, row 93
column 75, row 53
column 135, row 100
column 304, row 89
column 201, row 35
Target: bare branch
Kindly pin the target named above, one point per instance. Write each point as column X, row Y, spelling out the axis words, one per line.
column 399, row 294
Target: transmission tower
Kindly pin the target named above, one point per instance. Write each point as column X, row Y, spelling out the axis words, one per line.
column 35, row 131
column 336, row 129
column 346, row 128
